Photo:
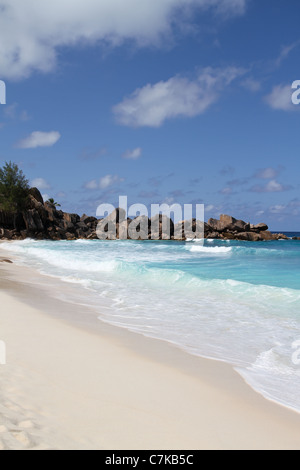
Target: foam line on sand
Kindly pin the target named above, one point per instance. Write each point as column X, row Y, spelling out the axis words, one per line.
column 66, row 386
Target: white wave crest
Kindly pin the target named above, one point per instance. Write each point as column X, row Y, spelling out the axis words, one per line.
column 211, row 250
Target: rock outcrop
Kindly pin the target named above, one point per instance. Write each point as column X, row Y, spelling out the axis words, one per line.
column 228, row 224
column 232, row 229
column 42, row 221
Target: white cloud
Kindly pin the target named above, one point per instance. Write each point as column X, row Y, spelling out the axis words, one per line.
column 268, row 173
column 104, row 183
column 277, row 209
column 133, row 154
column 31, row 31
column 40, row 183
column 107, row 181
column 39, row 139
column 91, row 185
column 280, row 98
column 152, row 105
column 271, row 187
column 289, row 209
column 259, row 213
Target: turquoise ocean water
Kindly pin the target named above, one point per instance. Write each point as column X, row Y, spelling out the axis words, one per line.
column 232, row 301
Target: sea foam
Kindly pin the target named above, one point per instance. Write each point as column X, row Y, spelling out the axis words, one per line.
column 210, row 250
column 237, row 303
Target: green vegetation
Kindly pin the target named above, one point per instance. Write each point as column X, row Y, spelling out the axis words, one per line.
column 14, row 188
column 53, row 203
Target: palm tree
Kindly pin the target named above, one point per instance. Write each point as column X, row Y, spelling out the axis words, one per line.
column 52, row 202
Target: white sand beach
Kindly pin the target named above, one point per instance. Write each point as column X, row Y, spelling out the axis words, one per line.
column 70, row 386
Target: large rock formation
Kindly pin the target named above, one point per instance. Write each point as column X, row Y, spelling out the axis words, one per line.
column 193, row 228
column 42, row 220
column 232, row 229
column 228, row 224
column 162, row 227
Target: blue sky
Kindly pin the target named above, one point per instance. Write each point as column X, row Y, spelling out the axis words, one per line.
column 164, row 101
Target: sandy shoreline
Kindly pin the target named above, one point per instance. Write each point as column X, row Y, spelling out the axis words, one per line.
column 86, row 385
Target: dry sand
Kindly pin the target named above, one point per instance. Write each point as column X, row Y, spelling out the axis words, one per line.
column 70, row 386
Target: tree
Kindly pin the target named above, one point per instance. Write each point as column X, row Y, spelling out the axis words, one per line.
column 53, row 203
column 14, row 188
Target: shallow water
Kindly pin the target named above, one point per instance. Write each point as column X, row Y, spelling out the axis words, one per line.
column 233, row 301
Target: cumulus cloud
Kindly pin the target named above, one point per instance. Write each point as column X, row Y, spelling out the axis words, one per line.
column 274, row 186
column 271, row 187
column 109, row 180
column 268, row 173
column 280, row 98
column 40, row 183
column 103, row 183
column 94, row 184
column 32, row 31
column 152, row 105
column 39, row 139
column 290, row 209
column 132, row 154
